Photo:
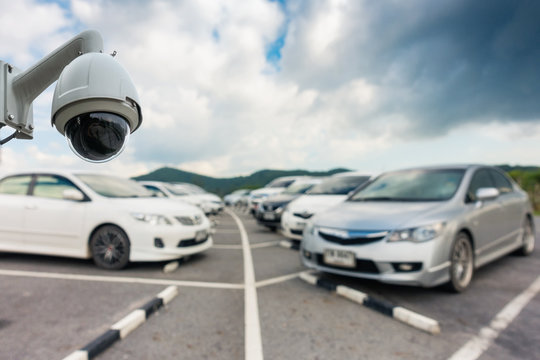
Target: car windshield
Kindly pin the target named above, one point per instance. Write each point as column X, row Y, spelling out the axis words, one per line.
column 341, row 185
column 179, row 190
column 279, row 183
column 114, row 187
column 412, row 185
column 298, row 188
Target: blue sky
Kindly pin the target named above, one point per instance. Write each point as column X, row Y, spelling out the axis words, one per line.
column 231, row 87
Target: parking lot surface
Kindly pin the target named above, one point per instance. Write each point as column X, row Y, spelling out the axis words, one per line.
column 51, row 307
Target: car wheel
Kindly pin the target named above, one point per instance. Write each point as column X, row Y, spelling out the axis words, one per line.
column 527, row 239
column 110, row 247
column 461, row 263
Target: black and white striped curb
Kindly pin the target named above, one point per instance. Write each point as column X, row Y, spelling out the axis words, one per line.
column 123, row 327
column 289, row 245
column 399, row 313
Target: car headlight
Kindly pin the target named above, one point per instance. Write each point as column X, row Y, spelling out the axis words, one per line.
column 279, row 210
column 419, row 234
column 152, row 219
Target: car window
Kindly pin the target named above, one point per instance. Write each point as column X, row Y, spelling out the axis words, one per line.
column 15, row 185
column 155, row 190
column 412, row 185
column 114, row 187
column 50, row 186
column 340, row 185
column 179, row 190
column 501, row 182
column 480, row 179
column 280, row 183
column 298, row 188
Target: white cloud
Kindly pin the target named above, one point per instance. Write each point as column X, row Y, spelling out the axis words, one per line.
column 212, row 103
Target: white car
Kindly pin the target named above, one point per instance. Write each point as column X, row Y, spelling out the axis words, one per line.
column 109, row 219
column 328, row 193
column 208, row 203
column 212, row 203
column 235, row 197
column 276, row 186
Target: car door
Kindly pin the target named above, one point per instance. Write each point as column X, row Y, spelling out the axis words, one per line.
column 486, row 217
column 13, row 197
column 53, row 224
column 512, row 207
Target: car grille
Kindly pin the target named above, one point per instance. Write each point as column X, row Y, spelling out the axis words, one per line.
column 303, row 215
column 269, row 207
column 191, row 242
column 189, row 220
column 363, row 239
column 364, row 266
column 297, row 232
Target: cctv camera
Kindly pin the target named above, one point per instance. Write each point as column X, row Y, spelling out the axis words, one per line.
column 95, row 105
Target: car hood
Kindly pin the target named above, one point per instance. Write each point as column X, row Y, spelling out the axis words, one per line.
column 378, row 215
column 156, row 206
column 315, row 203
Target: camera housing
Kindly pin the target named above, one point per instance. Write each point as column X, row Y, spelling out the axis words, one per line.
column 95, row 105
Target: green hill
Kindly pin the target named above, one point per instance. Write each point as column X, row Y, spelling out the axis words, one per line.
column 223, row 186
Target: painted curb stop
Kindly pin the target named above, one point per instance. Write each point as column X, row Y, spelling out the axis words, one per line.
column 399, row 313
column 122, row 328
column 171, row 266
column 289, row 245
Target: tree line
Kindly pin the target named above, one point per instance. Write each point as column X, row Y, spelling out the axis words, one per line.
column 530, row 182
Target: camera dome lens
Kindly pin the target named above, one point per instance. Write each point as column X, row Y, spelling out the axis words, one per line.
column 97, row 136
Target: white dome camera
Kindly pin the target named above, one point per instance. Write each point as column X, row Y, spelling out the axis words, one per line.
column 96, row 106
column 95, row 103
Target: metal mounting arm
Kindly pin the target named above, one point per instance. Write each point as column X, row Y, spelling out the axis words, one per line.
column 18, row 89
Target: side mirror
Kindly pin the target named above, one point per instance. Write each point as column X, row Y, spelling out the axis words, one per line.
column 72, row 194
column 484, row 194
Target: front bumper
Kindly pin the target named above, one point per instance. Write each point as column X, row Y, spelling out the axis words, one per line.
column 268, row 218
column 292, row 227
column 159, row 243
column 382, row 261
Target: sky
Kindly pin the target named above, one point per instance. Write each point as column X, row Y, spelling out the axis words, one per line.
column 229, row 87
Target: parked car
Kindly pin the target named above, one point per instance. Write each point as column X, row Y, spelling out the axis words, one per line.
column 214, row 202
column 269, row 211
column 328, row 193
column 234, row 198
column 274, row 187
column 84, row 215
column 208, row 204
column 424, row 226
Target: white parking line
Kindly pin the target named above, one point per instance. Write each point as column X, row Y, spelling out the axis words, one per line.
column 278, row 280
column 241, row 247
column 478, row 345
column 119, row 279
column 252, row 332
column 227, row 247
column 264, row 244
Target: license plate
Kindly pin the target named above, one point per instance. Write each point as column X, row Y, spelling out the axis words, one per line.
column 200, row 235
column 300, row 225
column 339, row 258
column 269, row 216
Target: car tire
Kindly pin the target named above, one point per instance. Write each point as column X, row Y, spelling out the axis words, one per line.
column 110, row 247
column 528, row 238
column 461, row 263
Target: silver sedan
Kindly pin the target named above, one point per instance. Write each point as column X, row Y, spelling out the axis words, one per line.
column 424, row 226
